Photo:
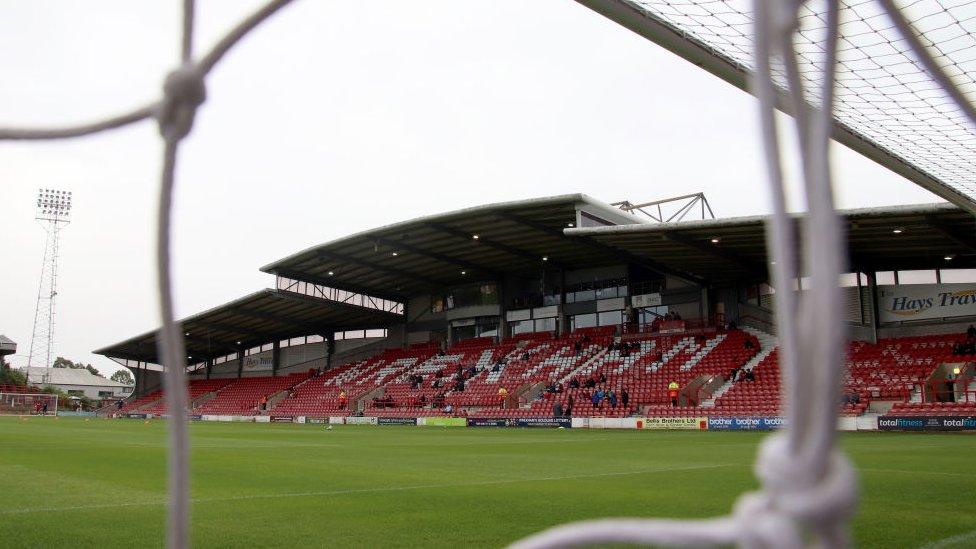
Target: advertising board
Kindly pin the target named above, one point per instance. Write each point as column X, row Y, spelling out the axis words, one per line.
column 927, row 423
column 745, row 423
column 673, row 423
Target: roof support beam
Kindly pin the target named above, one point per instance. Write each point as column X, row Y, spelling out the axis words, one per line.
column 754, row 269
column 460, row 263
column 966, row 240
column 482, row 241
column 419, row 278
column 620, row 254
column 341, row 285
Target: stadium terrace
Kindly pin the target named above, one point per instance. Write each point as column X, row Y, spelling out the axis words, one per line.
column 565, row 311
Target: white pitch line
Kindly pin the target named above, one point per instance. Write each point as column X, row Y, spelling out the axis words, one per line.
column 356, row 490
column 951, row 541
column 907, row 472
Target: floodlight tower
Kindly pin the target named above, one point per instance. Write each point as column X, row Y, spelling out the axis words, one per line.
column 54, row 214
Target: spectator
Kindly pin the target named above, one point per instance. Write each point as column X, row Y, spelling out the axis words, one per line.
column 733, row 373
column 612, row 399
column 569, row 406
column 449, row 409
column 342, row 399
column 603, row 377
column 750, row 375
column 502, row 394
column 263, row 403
column 748, row 344
column 589, row 383
column 673, row 388
column 577, row 347
column 119, row 404
column 597, row 398
column 624, row 397
column 557, row 409
column 574, row 383
column 971, row 332
column 559, row 388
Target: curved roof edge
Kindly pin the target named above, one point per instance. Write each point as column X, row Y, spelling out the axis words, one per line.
column 578, row 198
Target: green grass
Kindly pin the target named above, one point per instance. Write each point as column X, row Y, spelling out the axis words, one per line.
column 101, row 483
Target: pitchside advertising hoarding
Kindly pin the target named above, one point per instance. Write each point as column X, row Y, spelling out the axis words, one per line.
column 673, row 423
column 396, row 421
column 926, row 301
column 927, row 423
column 745, row 423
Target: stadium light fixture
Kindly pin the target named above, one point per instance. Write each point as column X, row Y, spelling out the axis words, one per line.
column 570, row 224
column 948, row 258
column 898, row 230
column 715, row 240
column 464, row 273
column 53, row 205
column 475, row 237
column 545, row 258
column 238, row 342
column 331, row 273
column 394, row 254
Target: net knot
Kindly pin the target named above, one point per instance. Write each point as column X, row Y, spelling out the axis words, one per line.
column 794, row 495
column 183, row 91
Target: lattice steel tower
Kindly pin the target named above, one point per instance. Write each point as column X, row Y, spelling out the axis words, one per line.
column 54, row 214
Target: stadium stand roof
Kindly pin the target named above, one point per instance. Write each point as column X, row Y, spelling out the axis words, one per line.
column 726, row 250
column 513, row 237
column 472, row 244
column 255, row 319
column 7, row 346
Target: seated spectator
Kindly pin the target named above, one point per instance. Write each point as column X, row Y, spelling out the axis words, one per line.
column 733, row 373
column 748, row 344
column 589, row 383
column 569, row 406
column 449, row 409
column 624, row 397
column 971, row 332
column 502, row 393
column 603, row 377
column 559, row 388
column 612, row 398
column 597, row 398
column 750, row 375
column 573, row 383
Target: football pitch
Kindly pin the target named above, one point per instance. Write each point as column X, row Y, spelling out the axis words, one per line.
column 72, row 483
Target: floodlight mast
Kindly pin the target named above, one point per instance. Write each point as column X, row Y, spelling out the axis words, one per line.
column 53, row 214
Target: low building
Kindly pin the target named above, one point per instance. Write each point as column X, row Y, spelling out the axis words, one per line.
column 77, row 382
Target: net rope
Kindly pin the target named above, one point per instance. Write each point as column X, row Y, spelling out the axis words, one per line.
column 808, row 487
column 885, row 91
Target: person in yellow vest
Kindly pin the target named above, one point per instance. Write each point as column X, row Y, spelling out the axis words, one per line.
column 673, row 393
column 502, row 394
column 342, row 399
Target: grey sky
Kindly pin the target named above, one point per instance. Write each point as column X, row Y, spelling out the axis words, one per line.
column 337, row 117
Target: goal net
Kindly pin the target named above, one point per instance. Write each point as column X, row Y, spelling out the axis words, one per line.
column 892, row 80
column 28, row 404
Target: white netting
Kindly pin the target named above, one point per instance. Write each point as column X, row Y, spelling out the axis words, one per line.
column 808, row 487
column 884, row 93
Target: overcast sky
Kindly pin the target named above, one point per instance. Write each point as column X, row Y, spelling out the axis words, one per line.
column 339, row 116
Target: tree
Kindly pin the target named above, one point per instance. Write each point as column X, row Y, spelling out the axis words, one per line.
column 62, row 362
column 123, row 376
